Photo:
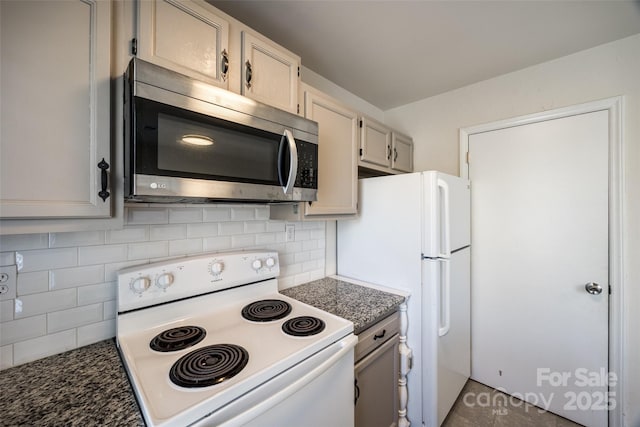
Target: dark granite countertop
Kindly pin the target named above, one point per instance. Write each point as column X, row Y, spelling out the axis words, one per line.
column 89, row 386
column 83, row 387
column 362, row 305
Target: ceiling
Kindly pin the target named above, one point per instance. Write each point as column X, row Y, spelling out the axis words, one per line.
column 391, row 53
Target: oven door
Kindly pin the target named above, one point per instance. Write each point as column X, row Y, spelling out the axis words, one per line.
column 178, row 153
column 317, row 392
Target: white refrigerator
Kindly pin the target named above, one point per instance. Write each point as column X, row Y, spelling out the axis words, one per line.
column 413, row 234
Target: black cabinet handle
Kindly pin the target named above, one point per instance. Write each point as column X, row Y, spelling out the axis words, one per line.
column 381, row 335
column 357, row 391
column 248, row 74
column 224, row 64
column 103, row 166
column 388, row 152
column 395, row 154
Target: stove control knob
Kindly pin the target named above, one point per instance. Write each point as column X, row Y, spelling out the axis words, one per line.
column 216, row 268
column 270, row 262
column 140, row 284
column 164, row 280
column 256, row 264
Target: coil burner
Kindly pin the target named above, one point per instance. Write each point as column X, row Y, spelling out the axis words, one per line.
column 266, row 310
column 303, row 326
column 176, row 339
column 209, row 365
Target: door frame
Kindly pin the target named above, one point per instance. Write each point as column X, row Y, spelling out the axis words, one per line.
column 615, row 107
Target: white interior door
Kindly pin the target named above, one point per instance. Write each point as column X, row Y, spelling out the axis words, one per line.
column 539, row 201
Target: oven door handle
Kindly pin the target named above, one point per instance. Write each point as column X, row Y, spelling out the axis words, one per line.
column 287, row 183
column 347, row 344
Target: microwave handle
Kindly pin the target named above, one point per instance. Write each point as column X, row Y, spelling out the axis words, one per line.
column 293, row 162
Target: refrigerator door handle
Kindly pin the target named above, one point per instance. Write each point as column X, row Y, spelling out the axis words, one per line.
column 445, row 229
column 444, row 318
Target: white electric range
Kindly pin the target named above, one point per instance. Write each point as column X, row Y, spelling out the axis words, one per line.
column 209, row 340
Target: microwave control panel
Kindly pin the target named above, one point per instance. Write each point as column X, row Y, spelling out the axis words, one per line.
column 307, row 165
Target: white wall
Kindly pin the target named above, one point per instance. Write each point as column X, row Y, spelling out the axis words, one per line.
column 66, row 288
column 602, row 72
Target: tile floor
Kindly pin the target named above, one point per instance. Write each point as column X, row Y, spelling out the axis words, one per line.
column 493, row 408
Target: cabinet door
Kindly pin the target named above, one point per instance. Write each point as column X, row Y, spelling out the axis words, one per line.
column 402, row 152
column 186, row 36
column 376, row 381
column 54, row 99
column 270, row 73
column 337, row 162
column 375, row 143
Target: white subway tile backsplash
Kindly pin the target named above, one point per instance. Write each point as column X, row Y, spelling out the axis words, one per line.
column 37, row 348
column 202, row 230
column 31, row 305
column 168, row 232
column 145, row 215
column 215, row 214
column 7, row 258
column 22, row 329
column 67, row 287
column 185, row 247
column 185, row 215
column 294, row 247
column 243, row 213
column 148, row 250
column 255, row 227
column 230, row 228
column 109, row 309
column 96, row 332
column 210, row 244
column 81, row 238
column 262, row 213
column 266, row 238
column 32, row 283
column 301, row 257
column 6, row 357
column 128, row 234
column 275, row 226
column 23, row 242
column 91, row 294
column 73, row 277
column 243, row 241
column 44, row 259
column 302, row 235
column 103, row 254
column 73, row 318
column 6, row 310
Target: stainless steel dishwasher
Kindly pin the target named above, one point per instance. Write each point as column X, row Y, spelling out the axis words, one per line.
column 377, row 370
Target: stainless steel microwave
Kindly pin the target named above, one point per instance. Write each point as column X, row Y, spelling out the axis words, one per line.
column 187, row 141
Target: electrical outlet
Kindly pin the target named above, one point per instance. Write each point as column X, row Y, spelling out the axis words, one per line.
column 8, row 282
column 291, row 232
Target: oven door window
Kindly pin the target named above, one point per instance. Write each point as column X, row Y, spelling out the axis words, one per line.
column 174, row 142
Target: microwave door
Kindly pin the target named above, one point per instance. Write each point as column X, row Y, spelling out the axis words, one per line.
column 287, row 161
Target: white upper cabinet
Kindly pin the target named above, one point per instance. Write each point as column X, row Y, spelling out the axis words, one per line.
column 337, row 161
column 401, row 152
column 270, row 73
column 187, row 36
column 55, row 110
column 375, row 143
column 382, row 150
